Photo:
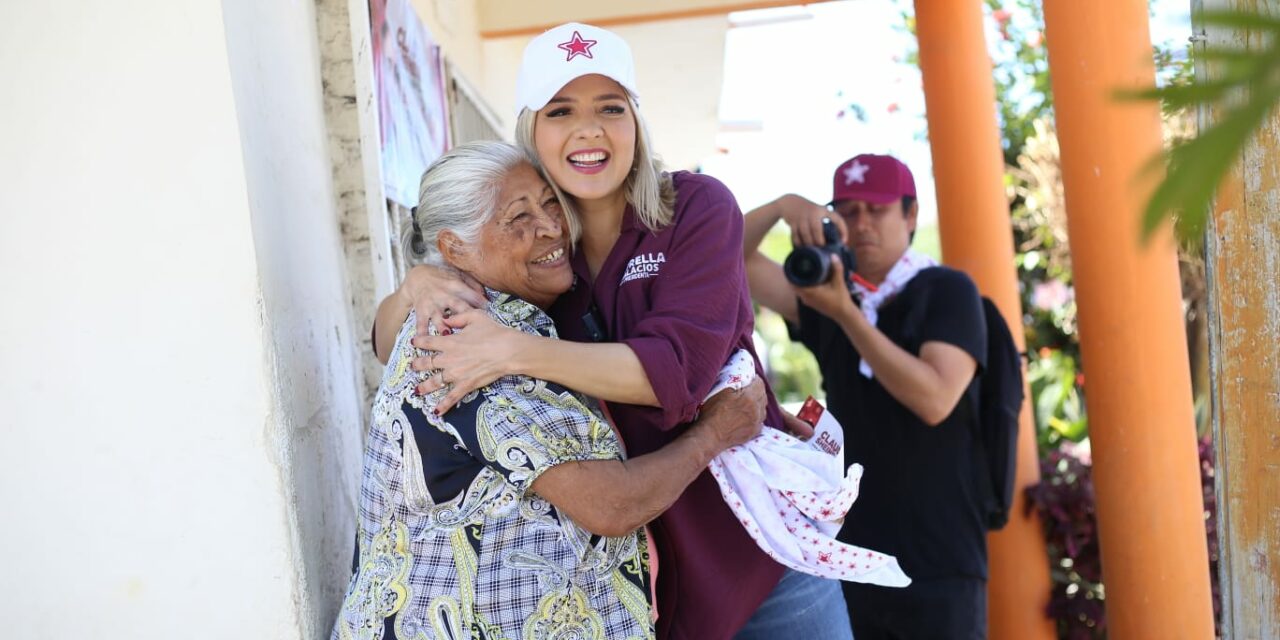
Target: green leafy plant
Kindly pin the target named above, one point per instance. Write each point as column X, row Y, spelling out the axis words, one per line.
column 1020, row 69
column 1243, row 92
column 1058, row 402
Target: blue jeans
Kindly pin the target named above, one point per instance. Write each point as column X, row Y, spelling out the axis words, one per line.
column 801, row 606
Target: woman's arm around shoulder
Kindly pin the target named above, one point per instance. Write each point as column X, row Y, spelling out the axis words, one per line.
column 429, row 290
column 480, row 350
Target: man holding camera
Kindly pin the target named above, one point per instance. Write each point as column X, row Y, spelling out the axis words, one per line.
column 899, row 341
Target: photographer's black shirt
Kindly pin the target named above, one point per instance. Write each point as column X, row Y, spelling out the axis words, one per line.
column 921, row 494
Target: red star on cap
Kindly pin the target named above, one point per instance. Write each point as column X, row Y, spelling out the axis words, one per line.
column 576, row 46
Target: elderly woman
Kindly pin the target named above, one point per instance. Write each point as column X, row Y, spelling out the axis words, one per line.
column 471, row 523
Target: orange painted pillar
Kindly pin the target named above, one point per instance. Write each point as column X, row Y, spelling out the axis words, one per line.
column 1145, row 468
column 973, row 219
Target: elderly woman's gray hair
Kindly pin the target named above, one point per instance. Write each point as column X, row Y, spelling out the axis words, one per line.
column 458, row 192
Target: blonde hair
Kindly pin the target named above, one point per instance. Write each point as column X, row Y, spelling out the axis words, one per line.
column 649, row 190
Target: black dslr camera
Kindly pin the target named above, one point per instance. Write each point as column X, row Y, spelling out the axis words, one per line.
column 811, row 266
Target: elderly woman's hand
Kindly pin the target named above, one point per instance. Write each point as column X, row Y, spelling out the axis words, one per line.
column 733, row 417
column 440, row 292
column 466, row 360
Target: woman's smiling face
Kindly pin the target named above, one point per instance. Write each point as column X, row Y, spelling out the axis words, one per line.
column 586, row 138
column 523, row 248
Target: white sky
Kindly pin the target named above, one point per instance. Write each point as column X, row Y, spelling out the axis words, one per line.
column 790, row 79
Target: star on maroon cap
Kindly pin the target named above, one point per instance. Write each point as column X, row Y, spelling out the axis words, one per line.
column 576, row 46
column 872, row 178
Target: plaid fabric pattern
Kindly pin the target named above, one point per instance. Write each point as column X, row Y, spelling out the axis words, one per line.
column 496, row 561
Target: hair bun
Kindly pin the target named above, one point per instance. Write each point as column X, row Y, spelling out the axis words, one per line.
column 416, row 242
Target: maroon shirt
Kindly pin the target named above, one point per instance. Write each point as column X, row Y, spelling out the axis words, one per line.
column 679, row 299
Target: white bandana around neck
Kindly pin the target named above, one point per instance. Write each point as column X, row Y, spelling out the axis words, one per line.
column 906, row 268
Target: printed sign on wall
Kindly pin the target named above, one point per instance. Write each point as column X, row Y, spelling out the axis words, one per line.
column 411, row 97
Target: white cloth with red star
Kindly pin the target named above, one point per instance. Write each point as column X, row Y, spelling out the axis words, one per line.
column 792, row 497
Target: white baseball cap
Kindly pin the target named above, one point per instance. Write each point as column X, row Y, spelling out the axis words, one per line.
column 567, row 52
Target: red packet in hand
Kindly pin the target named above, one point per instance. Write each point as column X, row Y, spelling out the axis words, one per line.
column 828, row 435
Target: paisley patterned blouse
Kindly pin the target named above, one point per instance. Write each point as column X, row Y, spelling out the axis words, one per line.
column 452, row 543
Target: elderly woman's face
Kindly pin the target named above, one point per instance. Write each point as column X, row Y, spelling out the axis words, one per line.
column 524, row 247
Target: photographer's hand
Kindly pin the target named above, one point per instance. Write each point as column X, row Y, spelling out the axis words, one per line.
column 805, row 219
column 830, row 298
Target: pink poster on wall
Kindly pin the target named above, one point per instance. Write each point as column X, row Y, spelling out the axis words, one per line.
column 411, row 97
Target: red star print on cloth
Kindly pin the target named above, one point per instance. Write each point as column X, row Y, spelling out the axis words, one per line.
column 787, row 496
column 576, row 46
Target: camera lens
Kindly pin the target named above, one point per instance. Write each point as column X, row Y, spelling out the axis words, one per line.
column 807, row 267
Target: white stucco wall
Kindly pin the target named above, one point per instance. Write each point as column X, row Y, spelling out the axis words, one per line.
column 318, row 404
column 351, row 117
column 177, row 394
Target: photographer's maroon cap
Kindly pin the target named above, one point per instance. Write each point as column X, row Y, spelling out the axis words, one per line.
column 872, row 178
